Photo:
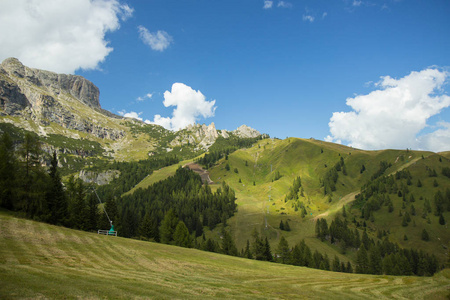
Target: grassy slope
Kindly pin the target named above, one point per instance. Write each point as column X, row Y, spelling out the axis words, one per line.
column 44, row 261
column 293, row 157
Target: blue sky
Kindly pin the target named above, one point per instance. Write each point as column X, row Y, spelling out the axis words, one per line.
column 285, row 68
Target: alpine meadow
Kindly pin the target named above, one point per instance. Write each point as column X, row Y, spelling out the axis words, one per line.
column 107, row 194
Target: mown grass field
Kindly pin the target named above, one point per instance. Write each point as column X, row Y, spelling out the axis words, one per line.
column 38, row 260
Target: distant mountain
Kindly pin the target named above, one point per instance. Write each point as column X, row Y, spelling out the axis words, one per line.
column 64, row 110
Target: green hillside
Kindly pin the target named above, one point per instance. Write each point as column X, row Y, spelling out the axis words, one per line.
column 263, row 175
column 38, row 260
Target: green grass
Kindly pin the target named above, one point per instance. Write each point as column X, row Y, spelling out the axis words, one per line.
column 44, row 261
column 307, row 158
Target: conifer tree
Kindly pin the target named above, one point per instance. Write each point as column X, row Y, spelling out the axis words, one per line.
column 181, row 236
column 283, row 250
column 362, row 260
column 55, row 195
column 267, row 252
column 8, row 173
column 336, row 265
column 228, row 246
column 168, row 226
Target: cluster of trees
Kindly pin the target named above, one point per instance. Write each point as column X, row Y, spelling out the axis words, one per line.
column 223, row 147
column 31, row 188
column 378, row 257
column 301, row 255
column 378, row 193
column 331, row 176
column 131, row 173
column 192, row 202
column 294, row 190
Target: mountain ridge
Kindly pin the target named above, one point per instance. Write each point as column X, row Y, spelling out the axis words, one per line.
column 49, row 104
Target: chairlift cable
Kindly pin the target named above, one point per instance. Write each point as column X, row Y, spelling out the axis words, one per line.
column 102, row 206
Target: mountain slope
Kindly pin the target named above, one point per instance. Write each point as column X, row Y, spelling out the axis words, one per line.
column 65, row 112
column 45, row 261
column 262, row 203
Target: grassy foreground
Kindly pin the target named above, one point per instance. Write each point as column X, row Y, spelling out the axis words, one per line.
column 43, row 261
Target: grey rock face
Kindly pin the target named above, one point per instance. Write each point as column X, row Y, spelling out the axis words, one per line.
column 40, row 96
column 246, row 132
column 77, row 86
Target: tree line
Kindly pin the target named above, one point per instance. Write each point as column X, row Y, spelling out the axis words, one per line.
column 380, row 257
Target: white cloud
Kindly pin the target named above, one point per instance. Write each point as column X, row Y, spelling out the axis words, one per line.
column 284, row 4
column 308, row 18
column 324, row 15
column 158, row 41
column 394, row 115
column 131, row 114
column 356, row 3
column 190, row 105
column 147, row 96
column 61, row 36
column 268, row 4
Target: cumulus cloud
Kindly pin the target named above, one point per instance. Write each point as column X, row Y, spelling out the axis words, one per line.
column 158, row 41
column 393, row 115
column 268, row 4
column 61, row 36
column 190, row 105
column 131, row 114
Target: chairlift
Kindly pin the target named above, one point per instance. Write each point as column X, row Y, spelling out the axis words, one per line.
column 111, row 231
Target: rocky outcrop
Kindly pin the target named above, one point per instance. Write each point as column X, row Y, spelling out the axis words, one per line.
column 77, row 86
column 101, row 178
column 46, row 97
column 204, row 136
column 246, row 132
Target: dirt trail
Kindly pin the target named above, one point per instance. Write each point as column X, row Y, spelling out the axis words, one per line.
column 204, row 174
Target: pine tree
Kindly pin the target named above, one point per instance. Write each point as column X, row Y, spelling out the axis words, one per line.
column 55, row 196
column 267, row 252
column 168, row 226
column 92, row 213
column 362, row 260
column 425, row 236
column 336, row 265
column 441, row 219
column 281, row 225
column 283, row 250
column 375, row 263
column 181, row 236
column 228, row 246
column 287, row 227
column 8, row 173
column 248, row 253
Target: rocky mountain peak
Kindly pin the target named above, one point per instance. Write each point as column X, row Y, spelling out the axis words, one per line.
column 77, row 86
column 244, row 131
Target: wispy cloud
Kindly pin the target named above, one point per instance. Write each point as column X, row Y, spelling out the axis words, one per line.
column 268, row 4
column 308, row 18
column 324, row 15
column 356, row 3
column 158, row 41
column 147, row 96
column 284, row 4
